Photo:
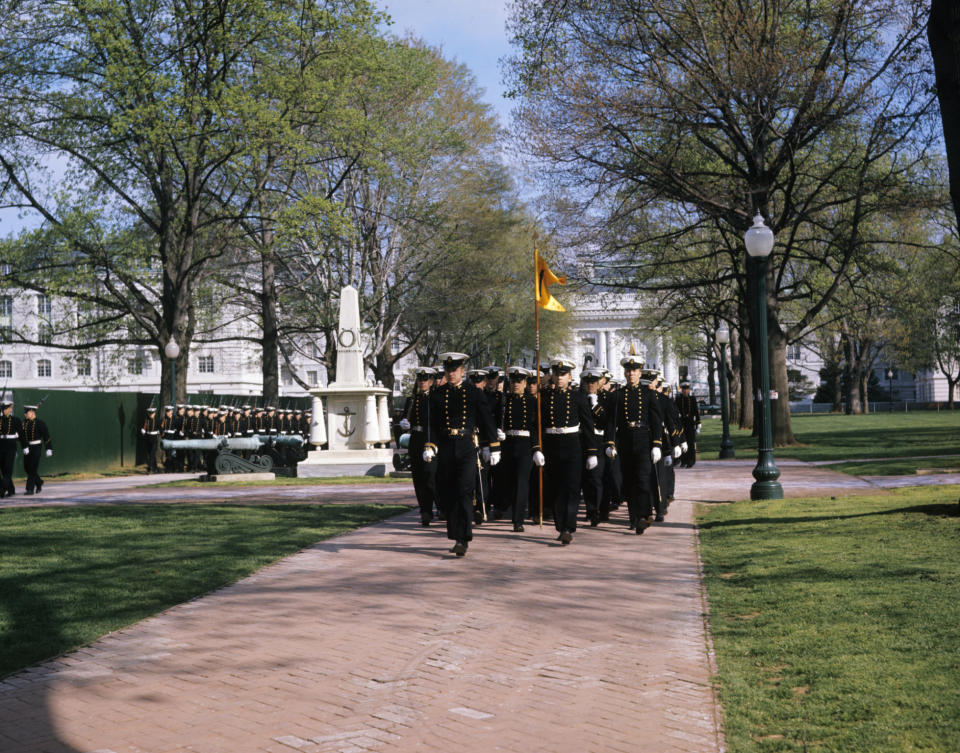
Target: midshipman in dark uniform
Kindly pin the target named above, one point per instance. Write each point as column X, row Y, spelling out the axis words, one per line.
column 456, row 410
column 416, row 420
column 150, row 431
column 35, row 439
column 519, row 429
column 690, row 415
column 633, row 434
column 9, row 439
column 569, row 443
column 592, row 481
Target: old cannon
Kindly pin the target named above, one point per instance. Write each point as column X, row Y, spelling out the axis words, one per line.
column 265, row 450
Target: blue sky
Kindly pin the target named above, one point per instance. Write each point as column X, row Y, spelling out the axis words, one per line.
column 471, row 31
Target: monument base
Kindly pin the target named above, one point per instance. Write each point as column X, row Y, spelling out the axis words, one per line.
column 227, row 477
column 332, row 463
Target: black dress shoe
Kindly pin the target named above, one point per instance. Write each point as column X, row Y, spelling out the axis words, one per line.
column 425, row 522
column 659, row 518
column 518, row 529
column 28, row 491
column 594, row 522
column 566, row 537
column 642, row 525
column 460, row 548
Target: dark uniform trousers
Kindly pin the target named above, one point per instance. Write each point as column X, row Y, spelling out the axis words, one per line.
column 456, row 477
column 534, row 498
column 8, row 453
column 633, row 445
column 667, row 477
column 424, row 476
column 561, row 478
column 513, row 481
column 657, row 496
column 689, row 458
column 612, row 487
column 31, row 466
column 593, row 486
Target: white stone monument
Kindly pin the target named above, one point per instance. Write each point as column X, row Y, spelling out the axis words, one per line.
column 356, row 417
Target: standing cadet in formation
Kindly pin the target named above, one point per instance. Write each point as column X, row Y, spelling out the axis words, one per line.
column 690, row 415
column 658, row 489
column 150, row 431
column 633, row 434
column 592, row 482
column 416, row 420
column 9, row 438
column 567, row 429
column 673, row 425
column 456, row 410
column 612, row 477
column 169, row 431
column 35, row 439
column 519, row 430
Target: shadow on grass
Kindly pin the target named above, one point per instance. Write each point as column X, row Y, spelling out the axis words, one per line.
column 939, row 510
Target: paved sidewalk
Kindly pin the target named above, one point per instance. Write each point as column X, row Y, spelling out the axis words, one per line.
column 381, row 640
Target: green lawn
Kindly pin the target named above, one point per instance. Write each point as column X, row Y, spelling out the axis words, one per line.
column 900, row 466
column 835, row 437
column 836, row 624
column 70, row 575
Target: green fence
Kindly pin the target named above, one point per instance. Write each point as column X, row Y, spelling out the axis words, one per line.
column 93, row 431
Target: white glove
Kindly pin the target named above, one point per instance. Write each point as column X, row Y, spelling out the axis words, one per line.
column 26, row 450
column 49, row 453
column 538, row 458
column 428, row 455
column 683, row 447
column 593, row 400
column 143, row 431
column 485, row 454
column 698, row 428
column 668, row 461
column 655, row 454
column 677, row 451
column 500, row 435
column 494, row 457
column 404, row 424
column 611, row 452
column 591, row 462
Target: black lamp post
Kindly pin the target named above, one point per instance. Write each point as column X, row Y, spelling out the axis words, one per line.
column 759, row 242
column 726, row 444
column 890, row 387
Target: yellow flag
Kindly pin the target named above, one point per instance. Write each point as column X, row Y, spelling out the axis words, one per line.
column 544, row 279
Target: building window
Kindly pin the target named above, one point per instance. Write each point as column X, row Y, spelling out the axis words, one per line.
column 135, row 366
column 83, row 366
column 44, row 334
column 312, row 378
column 6, row 306
column 794, row 353
column 286, row 376
column 205, row 364
column 6, row 369
column 44, row 368
column 44, row 306
column 6, row 318
column 5, row 268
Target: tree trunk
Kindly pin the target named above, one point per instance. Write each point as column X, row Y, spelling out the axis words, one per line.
column 780, row 383
column 271, row 332
column 943, row 33
column 733, row 375
column 746, row 385
column 712, row 376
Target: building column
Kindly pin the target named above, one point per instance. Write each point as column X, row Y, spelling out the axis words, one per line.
column 612, row 349
column 602, row 349
column 318, row 424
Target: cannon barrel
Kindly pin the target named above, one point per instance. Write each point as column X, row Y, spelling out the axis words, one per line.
column 231, row 443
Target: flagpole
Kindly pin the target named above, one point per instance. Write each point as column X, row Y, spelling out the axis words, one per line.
column 536, row 320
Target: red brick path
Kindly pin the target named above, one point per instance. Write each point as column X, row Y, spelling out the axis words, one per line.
column 380, row 640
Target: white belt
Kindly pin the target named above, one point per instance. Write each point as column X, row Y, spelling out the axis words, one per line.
column 599, row 432
column 36, row 441
column 416, row 428
column 636, row 425
column 563, row 429
column 518, row 433
column 10, row 436
column 153, row 433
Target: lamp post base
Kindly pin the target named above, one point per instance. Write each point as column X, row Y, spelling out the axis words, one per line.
column 766, row 490
column 726, row 450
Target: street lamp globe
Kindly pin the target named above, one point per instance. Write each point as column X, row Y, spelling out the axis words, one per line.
column 171, row 350
column 759, row 239
column 723, row 335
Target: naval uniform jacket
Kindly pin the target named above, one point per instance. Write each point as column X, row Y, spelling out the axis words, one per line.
column 566, row 412
column 416, row 412
column 10, row 429
column 151, row 427
column 456, row 411
column 35, row 435
column 520, row 419
column 689, row 411
column 634, row 409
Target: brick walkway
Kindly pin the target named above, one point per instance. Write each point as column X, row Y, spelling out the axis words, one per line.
column 380, row 640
